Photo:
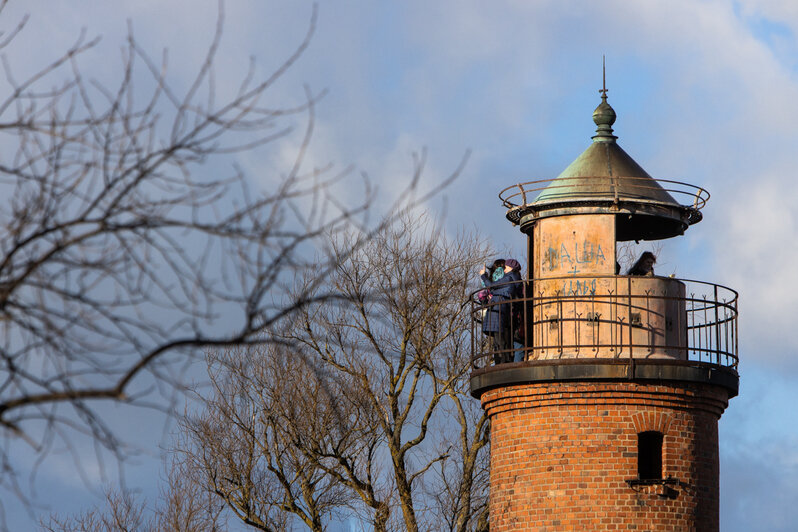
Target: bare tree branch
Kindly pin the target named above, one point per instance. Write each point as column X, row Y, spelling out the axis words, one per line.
column 132, row 240
column 363, row 410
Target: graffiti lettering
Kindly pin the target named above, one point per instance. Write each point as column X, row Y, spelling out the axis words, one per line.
column 564, row 256
column 579, row 288
column 587, row 253
column 552, row 258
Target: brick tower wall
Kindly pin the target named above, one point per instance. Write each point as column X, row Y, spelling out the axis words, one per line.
column 562, row 452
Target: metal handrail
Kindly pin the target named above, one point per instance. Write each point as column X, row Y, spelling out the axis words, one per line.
column 704, row 328
column 524, row 191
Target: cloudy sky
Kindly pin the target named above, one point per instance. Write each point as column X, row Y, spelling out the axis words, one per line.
column 706, row 92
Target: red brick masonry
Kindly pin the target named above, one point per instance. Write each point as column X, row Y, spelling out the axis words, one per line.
column 561, row 454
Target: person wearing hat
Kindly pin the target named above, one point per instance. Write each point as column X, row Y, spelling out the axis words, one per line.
column 497, row 320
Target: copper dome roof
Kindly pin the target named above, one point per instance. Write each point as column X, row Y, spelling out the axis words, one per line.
column 605, row 179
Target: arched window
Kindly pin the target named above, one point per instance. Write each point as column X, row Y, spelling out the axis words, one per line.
column 649, row 455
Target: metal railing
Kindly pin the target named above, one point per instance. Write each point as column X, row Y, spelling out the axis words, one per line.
column 607, row 317
column 612, row 188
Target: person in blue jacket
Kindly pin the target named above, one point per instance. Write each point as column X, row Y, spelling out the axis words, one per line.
column 503, row 282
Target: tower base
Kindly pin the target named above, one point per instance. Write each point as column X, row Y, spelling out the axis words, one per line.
column 566, row 455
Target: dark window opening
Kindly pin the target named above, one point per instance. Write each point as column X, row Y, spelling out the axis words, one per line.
column 649, row 455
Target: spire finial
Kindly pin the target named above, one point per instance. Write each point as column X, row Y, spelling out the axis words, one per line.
column 604, row 115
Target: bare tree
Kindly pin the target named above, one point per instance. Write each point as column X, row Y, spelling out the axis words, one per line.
column 628, row 252
column 121, row 513
column 364, row 409
column 131, row 240
column 245, row 446
column 182, row 507
column 398, row 342
column 459, row 486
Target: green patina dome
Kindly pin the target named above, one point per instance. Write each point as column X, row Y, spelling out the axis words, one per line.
column 604, row 178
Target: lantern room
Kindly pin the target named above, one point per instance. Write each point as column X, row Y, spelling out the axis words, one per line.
column 575, row 303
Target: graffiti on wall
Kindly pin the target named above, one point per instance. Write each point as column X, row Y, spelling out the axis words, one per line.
column 588, row 253
column 578, row 287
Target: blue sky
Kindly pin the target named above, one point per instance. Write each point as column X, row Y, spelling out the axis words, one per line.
column 705, row 93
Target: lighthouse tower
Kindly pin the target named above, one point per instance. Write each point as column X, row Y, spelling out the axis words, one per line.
column 608, row 418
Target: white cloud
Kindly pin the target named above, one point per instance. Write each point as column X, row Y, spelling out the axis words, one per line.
column 704, row 95
column 775, row 10
column 756, row 249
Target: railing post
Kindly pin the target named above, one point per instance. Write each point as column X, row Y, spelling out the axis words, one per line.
column 707, row 336
column 526, row 322
column 683, row 339
column 735, row 331
column 717, row 327
column 629, row 315
column 559, row 323
column 726, row 330
column 649, row 328
column 473, row 342
column 577, row 326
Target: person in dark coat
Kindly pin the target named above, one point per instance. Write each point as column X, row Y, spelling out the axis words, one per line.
column 644, row 265
column 496, row 322
column 517, row 311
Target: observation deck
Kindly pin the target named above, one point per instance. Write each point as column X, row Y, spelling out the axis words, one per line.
column 577, row 321
column 610, row 327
